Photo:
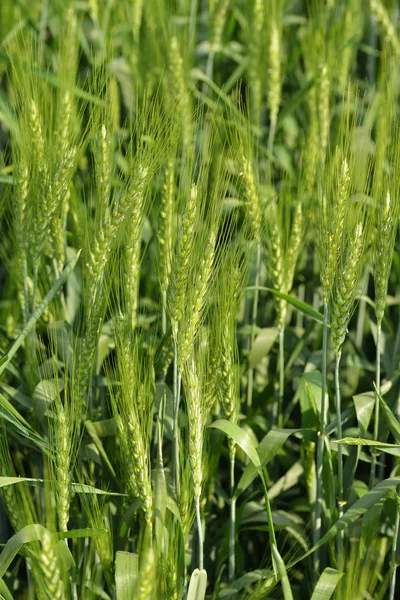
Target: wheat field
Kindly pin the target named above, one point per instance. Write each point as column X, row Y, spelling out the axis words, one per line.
column 199, row 299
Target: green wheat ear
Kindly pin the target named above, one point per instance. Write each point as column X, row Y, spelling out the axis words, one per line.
column 346, row 288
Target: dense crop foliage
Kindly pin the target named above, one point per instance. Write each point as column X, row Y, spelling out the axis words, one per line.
column 199, row 301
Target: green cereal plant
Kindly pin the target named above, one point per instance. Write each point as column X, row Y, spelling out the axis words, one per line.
column 257, row 52
column 323, row 95
column 345, row 289
column 118, row 205
column 225, row 384
column 133, row 247
column 203, row 258
column 166, row 235
column 218, row 10
column 132, row 405
column 387, row 212
column 99, row 517
column 192, row 268
column 334, row 206
column 284, row 233
column 120, row 140
column 182, row 100
column 274, row 68
column 198, row 406
column 176, row 303
column 349, row 32
column 317, row 58
column 255, row 216
column 385, row 22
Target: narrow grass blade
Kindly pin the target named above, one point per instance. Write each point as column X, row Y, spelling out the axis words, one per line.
column 5, row 593
column 10, row 414
column 38, row 313
column 126, row 575
column 391, row 420
column 78, row 488
column 13, row 480
column 326, row 584
column 93, row 432
column 383, row 446
column 357, row 510
column 301, row 306
column 82, row 488
column 280, row 566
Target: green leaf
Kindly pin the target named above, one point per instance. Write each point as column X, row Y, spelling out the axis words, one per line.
column 357, row 510
column 13, row 480
column 243, row 582
column 10, row 414
column 30, row 533
column 326, row 584
column 301, row 306
column 364, row 404
column 78, row 488
column 240, row 437
column 310, row 392
column 280, row 567
column 288, row 480
column 38, row 313
column 5, row 593
column 389, row 448
column 262, row 345
column 93, row 430
column 126, row 575
column 18, row 396
column 392, row 421
column 271, row 443
column 269, row 446
column 82, row 488
column 197, row 585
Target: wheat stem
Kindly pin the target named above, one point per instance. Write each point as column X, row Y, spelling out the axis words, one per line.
column 392, row 588
column 281, row 374
column 199, row 533
column 177, row 393
column 232, row 520
column 253, row 321
column 317, row 526
column 340, row 452
column 377, row 393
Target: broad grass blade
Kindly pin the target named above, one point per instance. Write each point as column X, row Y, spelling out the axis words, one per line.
column 197, row 585
column 326, row 584
column 126, row 575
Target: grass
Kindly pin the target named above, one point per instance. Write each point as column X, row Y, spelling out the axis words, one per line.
column 199, row 301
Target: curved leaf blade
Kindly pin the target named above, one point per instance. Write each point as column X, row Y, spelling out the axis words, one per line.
column 301, row 306
column 326, row 584
column 38, row 313
column 240, row 437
